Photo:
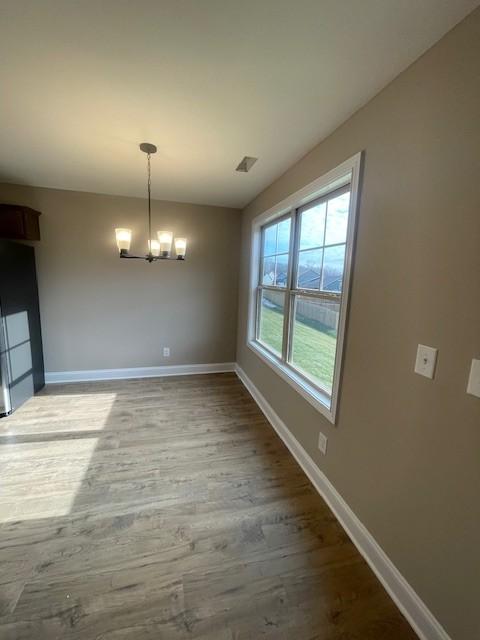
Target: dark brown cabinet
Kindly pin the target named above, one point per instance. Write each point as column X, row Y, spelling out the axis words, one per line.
column 19, row 223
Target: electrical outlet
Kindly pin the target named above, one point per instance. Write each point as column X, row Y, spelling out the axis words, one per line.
column 322, row 443
column 166, row 352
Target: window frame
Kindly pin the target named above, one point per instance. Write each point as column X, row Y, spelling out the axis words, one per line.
column 321, row 189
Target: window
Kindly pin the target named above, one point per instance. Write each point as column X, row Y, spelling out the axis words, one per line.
column 300, row 282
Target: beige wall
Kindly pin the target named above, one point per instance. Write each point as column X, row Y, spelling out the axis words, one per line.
column 405, row 453
column 99, row 312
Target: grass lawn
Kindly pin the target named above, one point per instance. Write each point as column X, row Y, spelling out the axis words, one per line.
column 313, row 349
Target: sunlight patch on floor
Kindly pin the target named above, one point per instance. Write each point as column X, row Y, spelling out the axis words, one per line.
column 95, row 407
column 42, row 480
column 45, row 453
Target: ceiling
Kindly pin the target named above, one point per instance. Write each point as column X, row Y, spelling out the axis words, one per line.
column 207, row 81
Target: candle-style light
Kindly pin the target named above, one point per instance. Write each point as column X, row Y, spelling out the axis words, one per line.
column 154, row 247
column 165, row 239
column 180, row 248
column 124, row 238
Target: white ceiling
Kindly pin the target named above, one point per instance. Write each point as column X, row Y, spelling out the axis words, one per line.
column 208, row 81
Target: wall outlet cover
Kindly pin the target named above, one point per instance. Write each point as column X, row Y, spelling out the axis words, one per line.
column 166, row 352
column 426, row 361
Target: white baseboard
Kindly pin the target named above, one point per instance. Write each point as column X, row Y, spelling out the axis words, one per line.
column 58, row 377
column 413, row 608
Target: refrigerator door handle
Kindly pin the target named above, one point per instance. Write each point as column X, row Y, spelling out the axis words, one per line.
column 5, row 376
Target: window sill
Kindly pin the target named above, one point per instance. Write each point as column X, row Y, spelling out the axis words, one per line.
column 321, row 401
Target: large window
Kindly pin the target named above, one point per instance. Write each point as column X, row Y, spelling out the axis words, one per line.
column 301, row 285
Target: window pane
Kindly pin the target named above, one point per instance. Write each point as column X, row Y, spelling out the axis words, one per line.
column 312, row 226
column 309, row 269
column 281, row 271
column 333, row 263
column 272, row 308
column 314, row 339
column 268, row 271
column 269, row 240
column 337, row 219
column 283, row 236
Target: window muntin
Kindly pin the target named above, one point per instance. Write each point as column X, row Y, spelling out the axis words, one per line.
column 299, row 294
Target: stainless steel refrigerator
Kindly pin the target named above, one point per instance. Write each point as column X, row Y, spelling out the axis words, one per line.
column 21, row 354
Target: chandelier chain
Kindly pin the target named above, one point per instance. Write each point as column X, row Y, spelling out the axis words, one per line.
column 149, row 206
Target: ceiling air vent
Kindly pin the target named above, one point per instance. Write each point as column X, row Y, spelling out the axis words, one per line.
column 246, row 164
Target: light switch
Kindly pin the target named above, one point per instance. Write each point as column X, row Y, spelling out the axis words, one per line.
column 474, row 379
column 426, row 361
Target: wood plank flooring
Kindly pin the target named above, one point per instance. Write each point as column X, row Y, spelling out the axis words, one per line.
column 169, row 509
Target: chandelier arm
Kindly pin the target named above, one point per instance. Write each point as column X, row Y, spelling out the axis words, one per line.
column 155, row 258
column 148, row 257
column 129, row 256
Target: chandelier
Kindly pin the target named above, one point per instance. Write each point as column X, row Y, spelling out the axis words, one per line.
column 161, row 248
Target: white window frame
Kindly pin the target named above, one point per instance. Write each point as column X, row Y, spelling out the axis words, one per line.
column 346, row 173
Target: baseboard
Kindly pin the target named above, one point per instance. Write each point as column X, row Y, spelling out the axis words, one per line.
column 413, row 608
column 58, row 377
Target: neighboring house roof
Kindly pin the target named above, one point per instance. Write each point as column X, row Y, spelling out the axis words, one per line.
column 309, row 279
column 335, row 284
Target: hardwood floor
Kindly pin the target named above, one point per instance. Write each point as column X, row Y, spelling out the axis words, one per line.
column 169, row 509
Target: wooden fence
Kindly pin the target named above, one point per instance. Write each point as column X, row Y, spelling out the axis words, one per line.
column 308, row 310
